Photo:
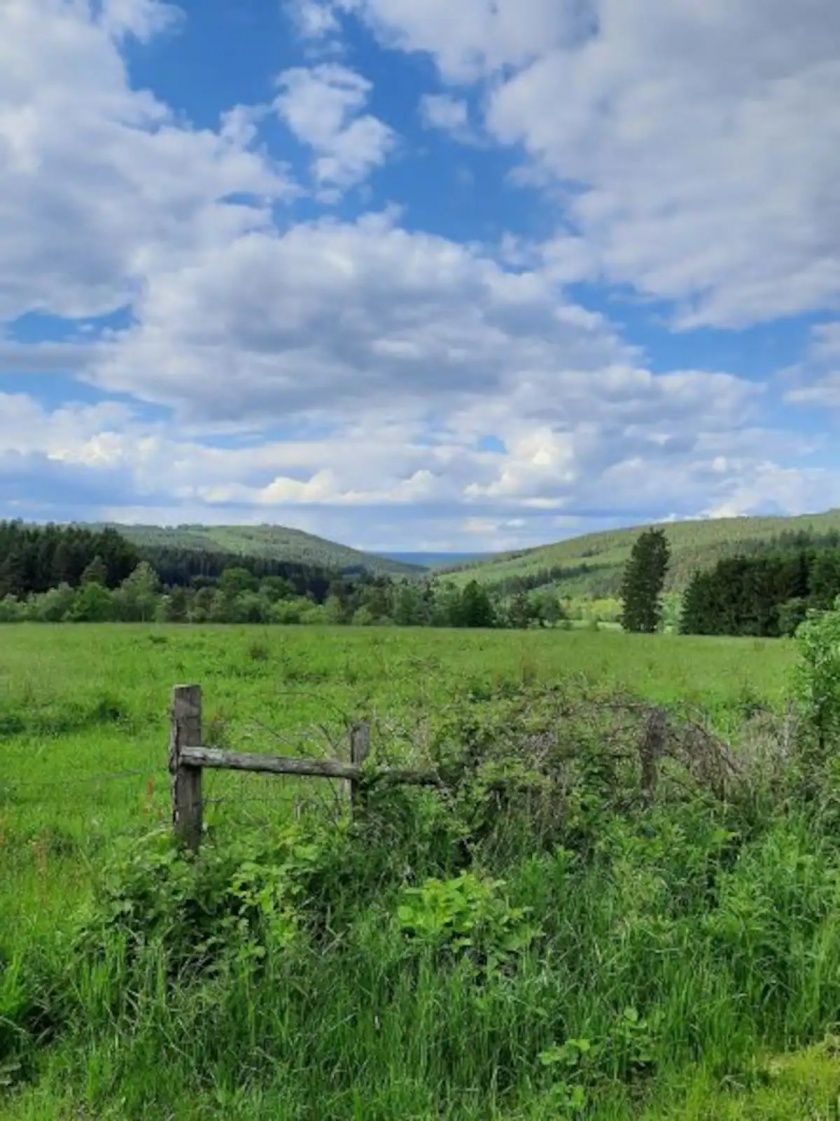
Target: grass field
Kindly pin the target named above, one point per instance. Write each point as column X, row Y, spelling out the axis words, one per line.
column 77, row 703
column 360, row 1023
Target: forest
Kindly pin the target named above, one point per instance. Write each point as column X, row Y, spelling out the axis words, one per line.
column 766, row 594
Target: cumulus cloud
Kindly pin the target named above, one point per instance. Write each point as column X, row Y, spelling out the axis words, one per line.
column 312, row 19
column 86, row 208
column 322, row 105
column 349, row 315
column 141, row 18
column 693, row 146
column 474, row 37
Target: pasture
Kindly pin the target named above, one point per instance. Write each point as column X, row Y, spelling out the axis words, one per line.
column 81, row 703
column 637, row 960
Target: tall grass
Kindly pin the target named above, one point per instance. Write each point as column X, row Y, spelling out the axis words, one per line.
column 675, row 947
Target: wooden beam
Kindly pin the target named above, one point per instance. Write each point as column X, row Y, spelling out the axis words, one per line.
column 197, row 757
column 269, row 764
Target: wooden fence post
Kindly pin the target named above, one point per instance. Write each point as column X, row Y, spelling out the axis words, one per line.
column 359, row 751
column 185, row 731
column 651, row 747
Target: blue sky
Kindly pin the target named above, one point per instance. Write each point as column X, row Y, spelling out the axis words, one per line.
column 467, row 275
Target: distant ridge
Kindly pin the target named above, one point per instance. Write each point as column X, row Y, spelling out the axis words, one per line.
column 592, row 565
column 275, row 541
column 439, row 561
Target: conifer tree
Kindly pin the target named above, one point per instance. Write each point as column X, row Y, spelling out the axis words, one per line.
column 644, row 579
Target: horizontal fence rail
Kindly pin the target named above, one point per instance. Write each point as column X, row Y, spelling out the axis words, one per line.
column 188, row 757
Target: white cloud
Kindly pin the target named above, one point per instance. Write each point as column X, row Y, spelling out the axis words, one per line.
column 356, row 366
column 313, row 20
column 322, row 105
column 471, row 38
column 816, row 381
column 694, row 146
column 141, row 18
column 348, row 315
column 99, row 180
column 441, row 111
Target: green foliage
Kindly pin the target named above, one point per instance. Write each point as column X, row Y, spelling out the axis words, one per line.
column 767, row 595
column 818, row 677
column 469, row 915
column 474, row 608
column 267, row 541
column 236, row 903
column 92, row 604
column 644, row 579
column 35, row 558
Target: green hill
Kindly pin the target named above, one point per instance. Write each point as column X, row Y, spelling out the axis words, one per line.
column 591, row 566
column 275, row 541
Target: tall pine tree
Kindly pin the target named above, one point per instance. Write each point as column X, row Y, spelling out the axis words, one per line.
column 644, row 579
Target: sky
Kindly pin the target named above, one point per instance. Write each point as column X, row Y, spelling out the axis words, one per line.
column 419, row 274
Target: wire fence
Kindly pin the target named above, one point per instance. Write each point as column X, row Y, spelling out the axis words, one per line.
column 134, row 800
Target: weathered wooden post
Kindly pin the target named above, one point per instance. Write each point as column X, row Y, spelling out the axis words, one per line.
column 359, row 751
column 185, row 731
column 651, row 747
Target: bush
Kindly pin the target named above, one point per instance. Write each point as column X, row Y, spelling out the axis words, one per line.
column 818, row 678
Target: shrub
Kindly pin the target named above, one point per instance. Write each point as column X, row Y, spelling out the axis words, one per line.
column 818, row 677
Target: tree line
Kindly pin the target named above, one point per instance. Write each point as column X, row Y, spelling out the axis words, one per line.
column 239, row 596
column 36, row 558
column 766, row 595
column 78, row 574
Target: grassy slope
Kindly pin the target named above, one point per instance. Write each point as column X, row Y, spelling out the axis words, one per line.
column 694, row 544
column 275, row 541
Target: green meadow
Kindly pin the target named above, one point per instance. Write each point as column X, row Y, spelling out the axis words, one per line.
column 573, row 956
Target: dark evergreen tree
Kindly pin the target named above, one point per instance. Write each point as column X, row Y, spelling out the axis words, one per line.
column 644, row 579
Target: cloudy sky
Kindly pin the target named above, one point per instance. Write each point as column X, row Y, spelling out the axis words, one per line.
column 466, row 274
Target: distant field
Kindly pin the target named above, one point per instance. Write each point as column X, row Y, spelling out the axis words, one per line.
column 593, row 564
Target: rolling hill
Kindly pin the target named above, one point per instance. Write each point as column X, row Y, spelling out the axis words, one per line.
column 591, row 566
column 275, row 541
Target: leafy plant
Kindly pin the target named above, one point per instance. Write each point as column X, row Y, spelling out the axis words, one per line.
column 466, row 914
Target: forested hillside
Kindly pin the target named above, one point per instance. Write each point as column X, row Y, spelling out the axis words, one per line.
column 591, row 566
column 275, row 542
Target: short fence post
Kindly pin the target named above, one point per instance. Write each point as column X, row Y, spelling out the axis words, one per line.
column 186, row 781
column 651, row 748
column 359, row 751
